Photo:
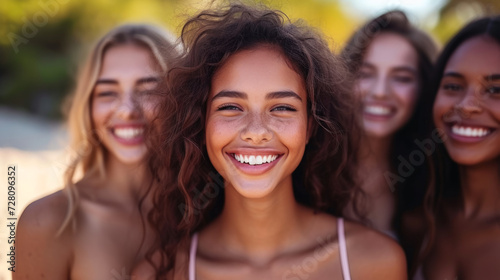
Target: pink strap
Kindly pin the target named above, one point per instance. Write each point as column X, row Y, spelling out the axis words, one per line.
column 343, row 250
column 192, row 256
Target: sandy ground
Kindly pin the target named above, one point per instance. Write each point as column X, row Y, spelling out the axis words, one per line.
column 36, row 148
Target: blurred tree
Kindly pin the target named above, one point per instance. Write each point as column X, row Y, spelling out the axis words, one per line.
column 456, row 13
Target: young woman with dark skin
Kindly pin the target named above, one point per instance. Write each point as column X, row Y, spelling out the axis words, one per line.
column 464, row 241
column 256, row 123
column 96, row 227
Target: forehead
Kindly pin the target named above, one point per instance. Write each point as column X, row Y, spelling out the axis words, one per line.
column 479, row 55
column 260, row 69
column 127, row 60
column 390, row 49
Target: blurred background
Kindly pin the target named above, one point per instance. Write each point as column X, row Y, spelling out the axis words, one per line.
column 42, row 43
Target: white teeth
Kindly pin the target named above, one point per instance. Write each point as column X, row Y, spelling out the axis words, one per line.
column 128, row 133
column 258, row 160
column 469, row 131
column 255, row 160
column 377, row 110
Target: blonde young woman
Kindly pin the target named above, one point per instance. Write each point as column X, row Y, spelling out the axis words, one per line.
column 96, row 228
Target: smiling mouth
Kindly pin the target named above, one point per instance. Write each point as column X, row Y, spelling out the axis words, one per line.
column 254, row 159
column 470, row 131
column 128, row 133
column 378, row 110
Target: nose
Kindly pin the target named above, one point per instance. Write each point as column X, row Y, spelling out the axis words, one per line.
column 129, row 107
column 470, row 103
column 379, row 88
column 256, row 130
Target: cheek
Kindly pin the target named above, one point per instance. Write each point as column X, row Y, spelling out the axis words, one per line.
column 442, row 105
column 100, row 112
column 361, row 87
column 218, row 132
column 406, row 94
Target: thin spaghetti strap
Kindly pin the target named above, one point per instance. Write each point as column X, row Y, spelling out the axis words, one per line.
column 192, row 256
column 344, row 261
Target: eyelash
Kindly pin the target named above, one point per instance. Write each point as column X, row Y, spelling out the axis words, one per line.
column 404, row 79
column 234, row 107
column 452, row 87
column 105, row 93
column 224, row 107
column 493, row 90
column 284, row 108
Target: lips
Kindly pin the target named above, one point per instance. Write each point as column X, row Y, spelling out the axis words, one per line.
column 254, row 163
column 378, row 111
column 255, row 159
column 468, row 133
column 128, row 135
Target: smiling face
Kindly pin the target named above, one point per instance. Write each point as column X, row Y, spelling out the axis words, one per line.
column 256, row 127
column 388, row 83
column 121, row 103
column 467, row 105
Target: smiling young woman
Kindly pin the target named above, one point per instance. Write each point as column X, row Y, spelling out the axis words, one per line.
column 392, row 61
column 464, row 236
column 96, row 227
column 258, row 117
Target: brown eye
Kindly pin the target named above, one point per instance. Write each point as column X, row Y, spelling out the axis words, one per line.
column 452, row 87
column 493, row 90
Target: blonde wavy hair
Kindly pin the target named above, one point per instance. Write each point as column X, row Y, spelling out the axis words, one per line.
column 87, row 151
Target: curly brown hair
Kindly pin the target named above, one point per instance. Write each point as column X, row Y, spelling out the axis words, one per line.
column 191, row 191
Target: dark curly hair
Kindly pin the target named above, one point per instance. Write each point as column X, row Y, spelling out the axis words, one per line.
column 190, row 193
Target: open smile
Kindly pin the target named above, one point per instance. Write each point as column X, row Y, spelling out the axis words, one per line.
column 468, row 133
column 378, row 112
column 128, row 135
column 254, row 164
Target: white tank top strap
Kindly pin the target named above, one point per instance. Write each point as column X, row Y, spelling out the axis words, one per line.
column 192, row 256
column 344, row 261
column 342, row 248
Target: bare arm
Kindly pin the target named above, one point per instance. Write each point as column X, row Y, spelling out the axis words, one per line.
column 375, row 256
column 39, row 253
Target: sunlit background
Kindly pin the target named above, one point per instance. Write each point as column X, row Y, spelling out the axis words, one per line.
column 43, row 41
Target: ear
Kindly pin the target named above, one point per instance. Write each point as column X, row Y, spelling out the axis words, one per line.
column 309, row 128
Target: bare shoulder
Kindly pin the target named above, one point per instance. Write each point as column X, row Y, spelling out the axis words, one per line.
column 40, row 252
column 373, row 255
column 46, row 215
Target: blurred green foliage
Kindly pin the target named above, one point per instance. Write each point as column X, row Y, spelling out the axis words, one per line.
column 43, row 41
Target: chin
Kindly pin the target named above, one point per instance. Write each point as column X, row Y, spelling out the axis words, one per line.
column 132, row 158
column 254, row 189
column 468, row 159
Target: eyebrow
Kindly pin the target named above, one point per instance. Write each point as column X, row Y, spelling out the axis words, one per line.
column 397, row 68
column 271, row 95
column 405, row 68
column 144, row 80
column 453, row 74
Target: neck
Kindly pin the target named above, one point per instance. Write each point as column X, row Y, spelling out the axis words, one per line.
column 128, row 182
column 374, row 162
column 262, row 227
column 481, row 189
